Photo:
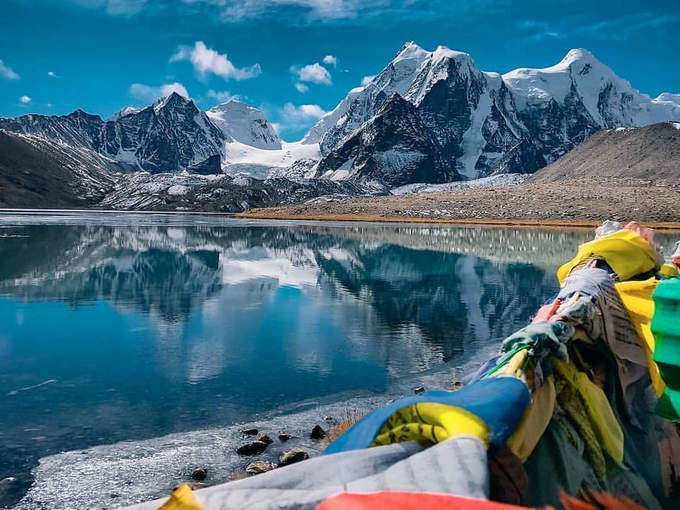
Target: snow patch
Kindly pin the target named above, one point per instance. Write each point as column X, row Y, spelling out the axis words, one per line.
column 241, row 156
column 341, row 173
column 177, row 189
column 484, row 182
column 473, row 140
column 396, row 160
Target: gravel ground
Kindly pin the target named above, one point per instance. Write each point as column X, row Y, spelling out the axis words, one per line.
column 566, row 201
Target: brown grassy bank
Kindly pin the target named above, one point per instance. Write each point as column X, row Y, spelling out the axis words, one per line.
column 573, row 204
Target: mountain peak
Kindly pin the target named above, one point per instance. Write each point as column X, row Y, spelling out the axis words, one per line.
column 172, row 99
column 126, row 110
column 82, row 114
column 243, row 123
column 410, row 50
column 443, row 52
column 234, row 105
column 578, row 56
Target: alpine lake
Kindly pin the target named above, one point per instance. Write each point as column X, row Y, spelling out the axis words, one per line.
column 136, row 347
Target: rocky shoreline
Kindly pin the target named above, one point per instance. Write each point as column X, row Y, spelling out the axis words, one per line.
column 252, row 449
column 572, row 203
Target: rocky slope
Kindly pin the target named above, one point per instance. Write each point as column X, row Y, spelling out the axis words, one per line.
column 651, row 152
column 393, row 148
column 40, row 173
column 223, row 193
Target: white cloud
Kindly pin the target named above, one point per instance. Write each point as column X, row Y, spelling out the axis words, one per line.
column 7, row 72
column 115, row 7
column 290, row 119
column 304, row 112
column 312, row 110
column 25, row 99
column 222, row 95
column 51, row 74
column 312, row 73
column 236, row 10
column 330, row 60
column 301, row 87
column 206, row 60
column 626, row 26
column 147, row 93
column 169, row 88
column 366, row 80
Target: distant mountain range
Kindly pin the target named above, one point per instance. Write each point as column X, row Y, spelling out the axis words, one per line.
column 479, row 123
column 426, row 117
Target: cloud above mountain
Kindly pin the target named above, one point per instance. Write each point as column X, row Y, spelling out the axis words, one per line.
column 209, row 61
column 237, row 10
column 312, row 73
column 7, row 72
column 221, row 96
column 148, row 93
column 115, row 7
column 291, row 118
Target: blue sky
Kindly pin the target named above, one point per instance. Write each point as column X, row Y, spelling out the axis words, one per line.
column 101, row 55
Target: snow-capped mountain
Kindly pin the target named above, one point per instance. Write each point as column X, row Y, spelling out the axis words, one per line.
column 169, row 136
column 394, row 147
column 428, row 116
column 242, row 123
column 77, row 129
column 482, row 122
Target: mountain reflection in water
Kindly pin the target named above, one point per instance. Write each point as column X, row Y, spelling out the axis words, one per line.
column 129, row 331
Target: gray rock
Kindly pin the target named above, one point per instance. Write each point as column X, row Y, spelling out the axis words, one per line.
column 199, row 473
column 265, row 439
column 259, row 466
column 252, row 448
column 284, row 437
column 292, row 456
column 238, row 475
column 318, row 433
column 250, row 432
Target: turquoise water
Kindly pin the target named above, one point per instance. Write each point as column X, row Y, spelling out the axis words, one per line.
column 128, row 327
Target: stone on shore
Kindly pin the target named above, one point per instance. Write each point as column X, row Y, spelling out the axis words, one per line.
column 199, row 474
column 259, row 466
column 292, row 456
column 318, row 433
column 265, row 439
column 252, row 448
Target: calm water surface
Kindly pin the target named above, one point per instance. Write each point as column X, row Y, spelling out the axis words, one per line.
column 127, row 327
